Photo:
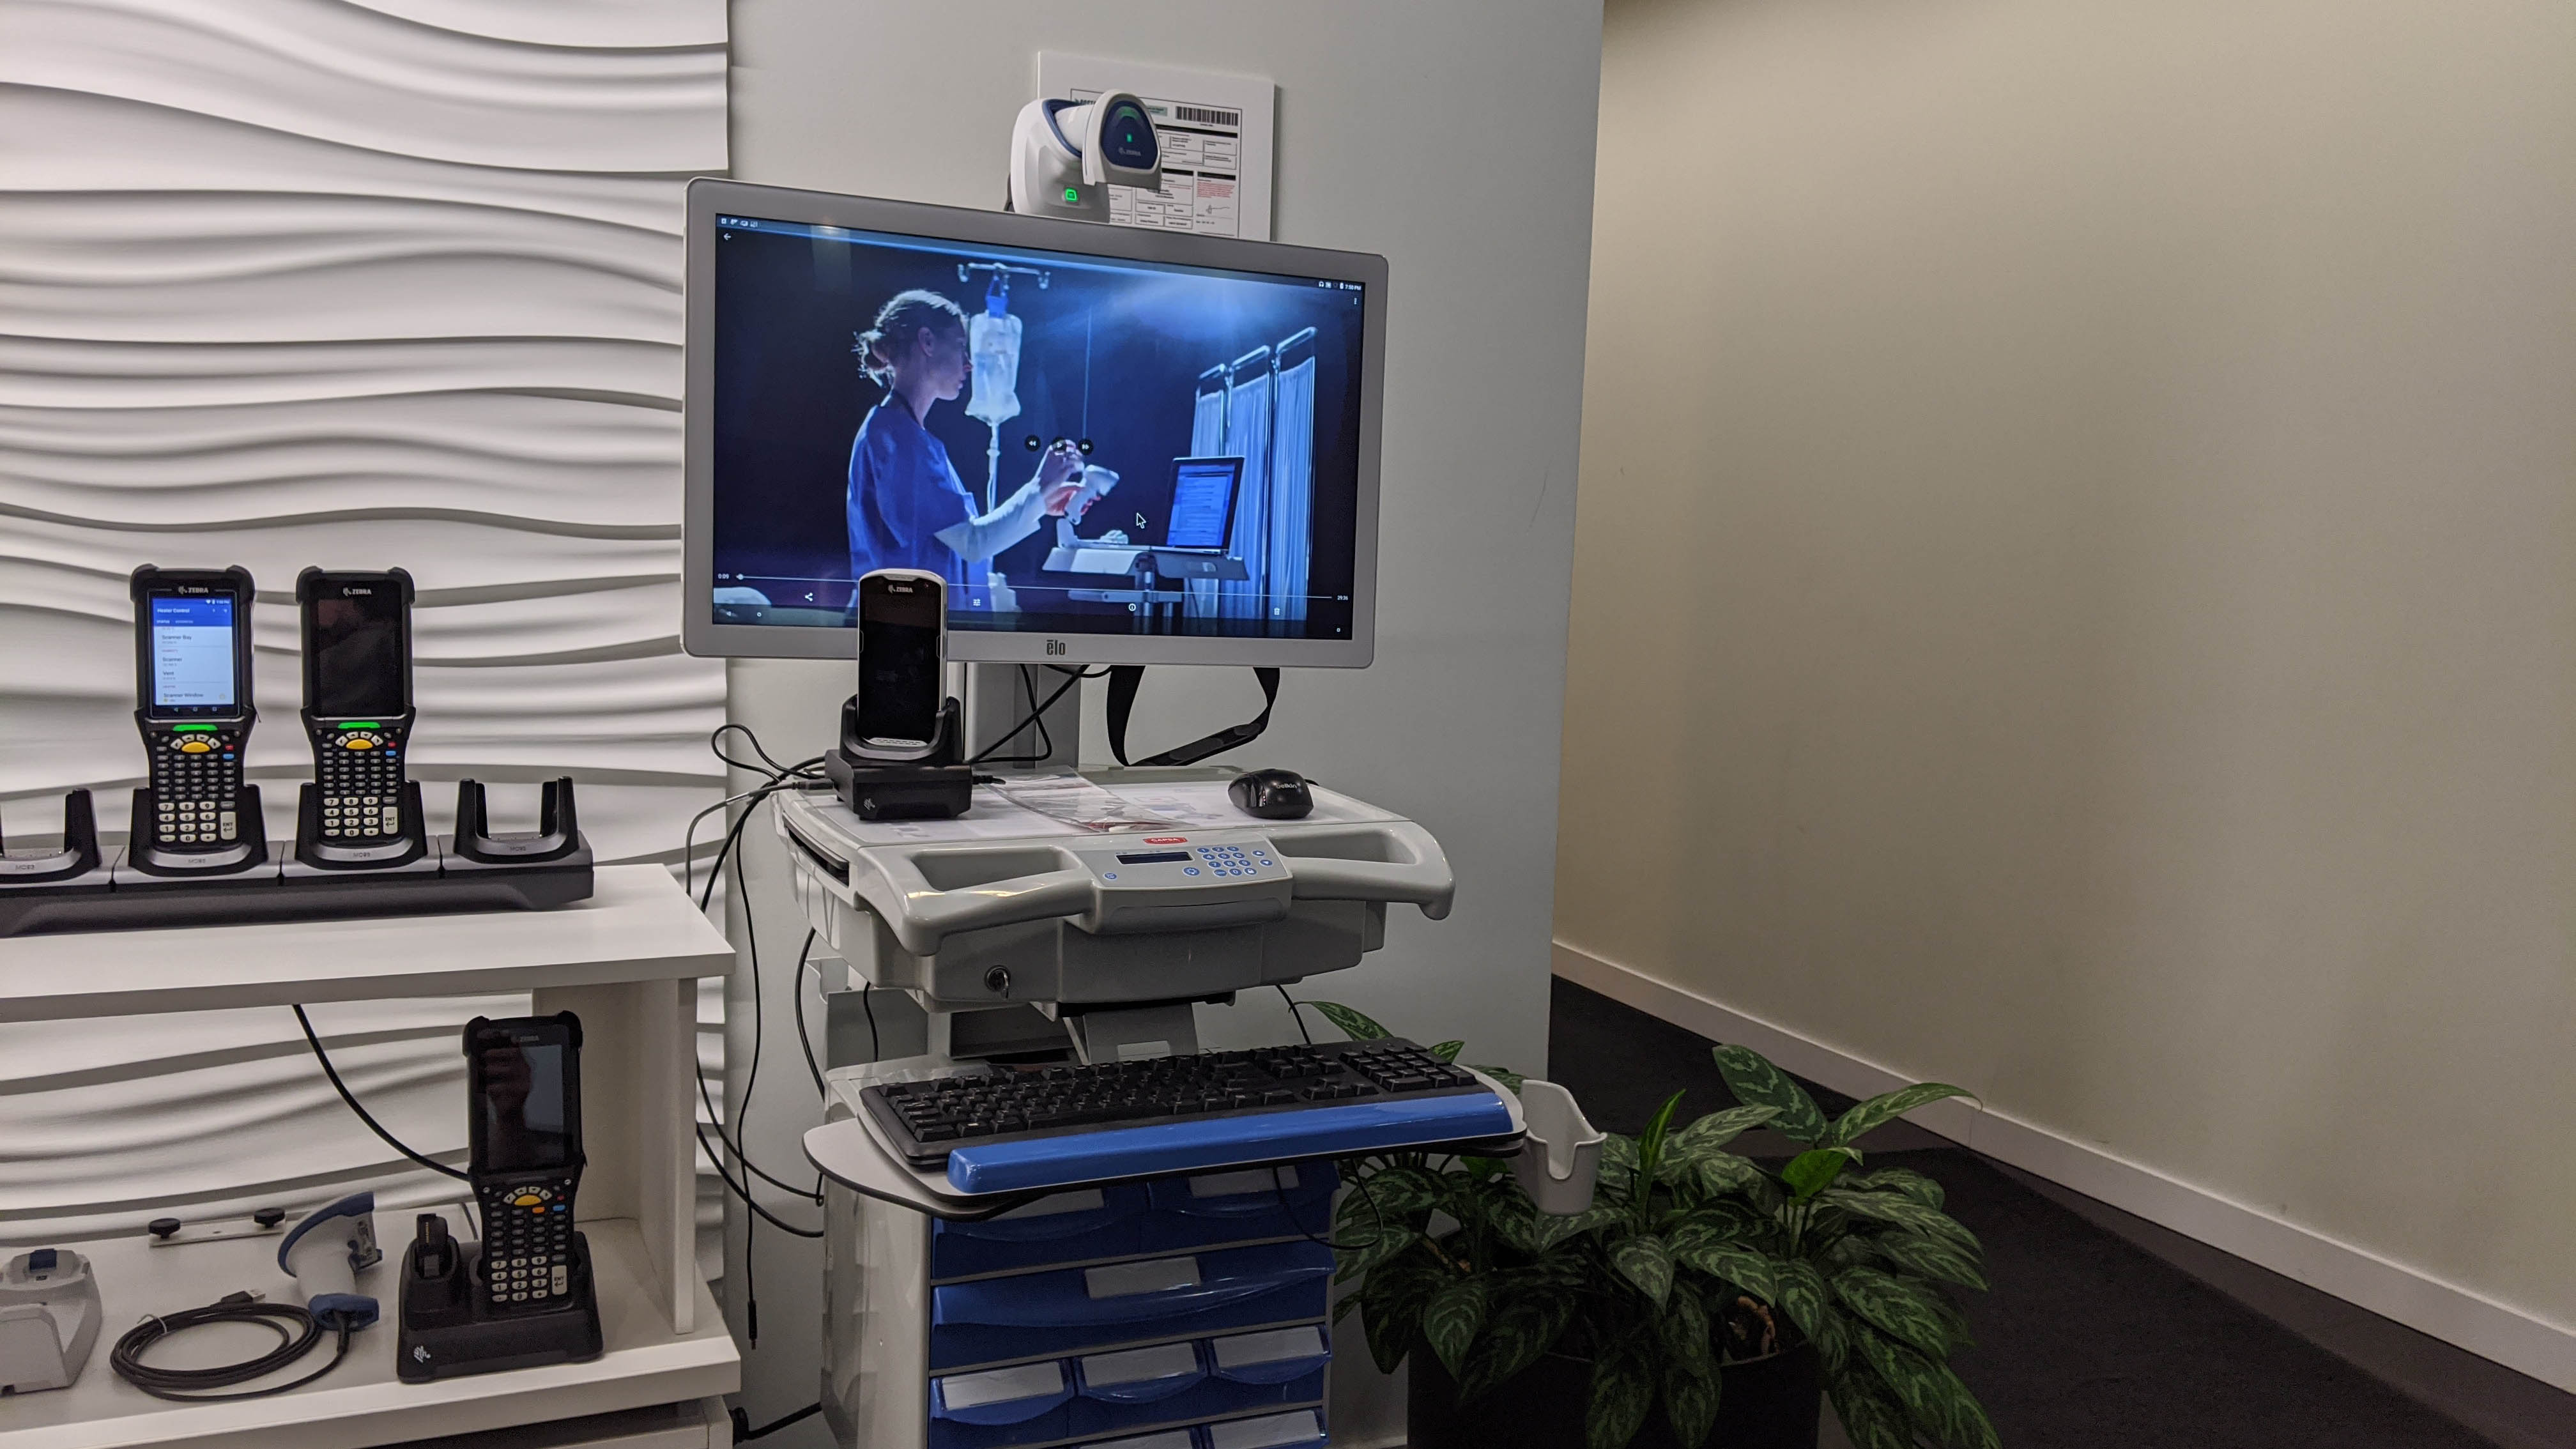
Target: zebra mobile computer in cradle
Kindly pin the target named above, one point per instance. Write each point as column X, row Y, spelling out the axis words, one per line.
column 357, row 715
column 525, row 1076
column 193, row 704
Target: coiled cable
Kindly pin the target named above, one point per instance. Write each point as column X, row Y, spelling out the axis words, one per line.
column 297, row 1331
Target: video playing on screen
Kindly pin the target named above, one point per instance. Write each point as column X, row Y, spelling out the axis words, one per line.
column 1076, row 444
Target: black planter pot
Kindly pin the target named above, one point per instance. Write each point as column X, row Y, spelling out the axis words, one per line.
column 1769, row 1403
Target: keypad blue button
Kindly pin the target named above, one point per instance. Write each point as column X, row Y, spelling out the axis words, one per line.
column 1109, row 875
column 1189, row 870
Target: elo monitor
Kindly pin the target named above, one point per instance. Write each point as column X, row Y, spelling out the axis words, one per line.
column 1115, row 445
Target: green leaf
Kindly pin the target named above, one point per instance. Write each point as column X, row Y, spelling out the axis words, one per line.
column 1348, row 1305
column 1510, row 1079
column 1690, row 1405
column 1901, row 1180
column 1905, row 1212
column 1618, row 1161
column 1689, row 1347
column 1452, row 1317
column 1870, row 1420
column 1720, row 1173
column 1803, row 1298
column 1645, row 1261
column 1880, row 1110
column 1391, row 1304
column 1623, row 1389
column 1900, row 1309
column 1729, row 1222
column 1719, row 1128
column 1812, row 1172
column 1932, row 1398
column 1742, row 1267
column 1399, row 1194
column 1447, row 1051
column 1650, row 1143
column 1551, row 1229
column 1940, row 1259
column 1350, row 1023
column 1527, row 1314
column 1757, row 1083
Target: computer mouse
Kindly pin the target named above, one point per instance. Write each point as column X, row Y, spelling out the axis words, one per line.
column 1272, row 795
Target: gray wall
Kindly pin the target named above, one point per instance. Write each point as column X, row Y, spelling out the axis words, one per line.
column 1456, row 139
column 2078, row 576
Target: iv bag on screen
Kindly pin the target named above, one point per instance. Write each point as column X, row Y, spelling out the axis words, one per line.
column 993, row 344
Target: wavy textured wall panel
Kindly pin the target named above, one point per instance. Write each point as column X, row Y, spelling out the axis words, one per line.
column 286, row 282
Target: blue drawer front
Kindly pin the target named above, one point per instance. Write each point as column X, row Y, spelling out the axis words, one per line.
column 1216, row 1142
column 1116, row 1228
column 1207, row 1399
column 1283, row 1202
column 1056, row 1312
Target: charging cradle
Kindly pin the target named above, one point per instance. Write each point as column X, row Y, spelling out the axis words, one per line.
column 79, row 887
column 934, row 787
column 446, row 1329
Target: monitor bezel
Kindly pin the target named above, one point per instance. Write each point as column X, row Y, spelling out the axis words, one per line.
column 703, row 637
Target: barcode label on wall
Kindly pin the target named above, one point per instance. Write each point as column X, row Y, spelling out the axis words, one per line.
column 1207, row 116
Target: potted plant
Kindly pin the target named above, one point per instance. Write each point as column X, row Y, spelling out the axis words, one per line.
column 1700, row 1282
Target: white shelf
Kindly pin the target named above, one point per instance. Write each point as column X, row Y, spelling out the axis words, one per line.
column 637, row 926
column 361, row 1402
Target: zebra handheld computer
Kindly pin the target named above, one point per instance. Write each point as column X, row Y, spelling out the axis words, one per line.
column 192, row 670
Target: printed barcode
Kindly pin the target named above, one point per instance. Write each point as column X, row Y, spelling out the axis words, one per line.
column 1206, row 116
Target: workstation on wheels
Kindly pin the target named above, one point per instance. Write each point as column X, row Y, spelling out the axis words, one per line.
column 982, row 461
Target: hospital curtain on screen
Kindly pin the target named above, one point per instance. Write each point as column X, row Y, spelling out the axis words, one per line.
column 1207, row 440
column 1292, row 490
column 1247, row 436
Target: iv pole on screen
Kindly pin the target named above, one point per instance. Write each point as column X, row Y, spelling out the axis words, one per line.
column 993, row 347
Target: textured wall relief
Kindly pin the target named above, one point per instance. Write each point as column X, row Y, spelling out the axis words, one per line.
column 290, row 282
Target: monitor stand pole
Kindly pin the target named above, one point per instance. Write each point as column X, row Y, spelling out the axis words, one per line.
column 997, row 699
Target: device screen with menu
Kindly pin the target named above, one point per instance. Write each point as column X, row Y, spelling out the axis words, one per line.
column 357, row 698
column 524, row 1076
column 192, row 688
column 913, row 395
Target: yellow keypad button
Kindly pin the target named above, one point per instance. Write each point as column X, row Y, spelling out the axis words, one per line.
column 362, row 744
column 196, row 747
column 525, row 1199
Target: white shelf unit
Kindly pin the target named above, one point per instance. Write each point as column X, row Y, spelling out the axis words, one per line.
column 626, row 961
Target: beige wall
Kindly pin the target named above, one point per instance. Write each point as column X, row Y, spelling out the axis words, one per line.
column 2075, row 579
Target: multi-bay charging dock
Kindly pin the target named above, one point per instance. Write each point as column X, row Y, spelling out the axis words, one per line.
column 85, row 886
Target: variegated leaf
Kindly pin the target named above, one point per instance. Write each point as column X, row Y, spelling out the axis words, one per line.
column 1645, row 1261
column 1802, row 1297
column 1897, row 1308
column 1742, row 1267
column 1869, row 1419
column 1905, row 1212
column 1900, row 1180
column 1719, row 1128
column 1880, row 1110
column 1350, row 1023
column 1623, row 1390
column 1757, row 1083
column 1452, row 1318
column 1552, row 1229
column 1447, row 1051
column 1525, row 1319
column 1941, row 1259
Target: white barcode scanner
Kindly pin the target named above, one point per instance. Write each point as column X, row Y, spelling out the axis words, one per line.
column 326, row 1253
column 1065, row 155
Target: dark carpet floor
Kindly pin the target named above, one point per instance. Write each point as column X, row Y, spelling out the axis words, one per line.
column 2086, row 1340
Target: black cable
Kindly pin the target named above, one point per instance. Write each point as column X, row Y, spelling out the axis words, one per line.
column 1289, row 1211
column 751, row 1079
column 803, row 1038
column 188, row 1386
column 1294, row 1014
column 372, row 1124
column 1036, row 716
column 748, row 1200
column 868, row 1004
column 743, row 1433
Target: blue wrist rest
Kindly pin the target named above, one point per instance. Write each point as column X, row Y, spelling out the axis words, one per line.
column 1215, row 1142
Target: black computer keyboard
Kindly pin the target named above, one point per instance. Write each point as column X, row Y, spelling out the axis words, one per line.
column 923, row 1120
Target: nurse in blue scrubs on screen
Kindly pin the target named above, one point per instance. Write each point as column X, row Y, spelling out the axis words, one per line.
column 907, row 506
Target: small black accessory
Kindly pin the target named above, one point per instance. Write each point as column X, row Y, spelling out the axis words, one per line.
column 1272, row 795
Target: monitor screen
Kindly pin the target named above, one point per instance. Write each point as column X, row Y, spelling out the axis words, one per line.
column 1202, row 508
column 1027, row 408
column 192, row 653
